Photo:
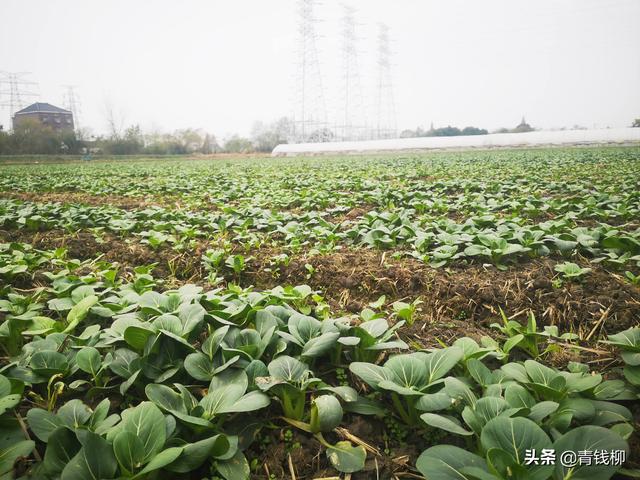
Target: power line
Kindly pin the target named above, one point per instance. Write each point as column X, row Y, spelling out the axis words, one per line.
column 386, row 124
column 72, row 103
column 310, row 115
column 352, row 116
column 14, row 84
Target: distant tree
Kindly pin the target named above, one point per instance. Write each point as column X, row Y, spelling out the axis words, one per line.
column 474, row 131
column 238, row 144
column 115, row 122
column 209, row 144
column 84, row 134
column 266, row 137
column 523, row 127
column 447, row 131
column 5, row 143
column 408, row 133
column 131, row 142
column 32, row 137
column 190, row 139
column 636, row 123
column 320, row 136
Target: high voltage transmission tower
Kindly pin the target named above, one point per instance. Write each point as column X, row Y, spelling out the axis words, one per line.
column 71, row 102
column 386, row 126
column 310, row 116
column 13, row 93
column 351, row 123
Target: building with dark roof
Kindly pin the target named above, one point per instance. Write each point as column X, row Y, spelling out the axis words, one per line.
column 46, row 114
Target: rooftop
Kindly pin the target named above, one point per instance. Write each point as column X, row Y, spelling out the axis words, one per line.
column 40, row 107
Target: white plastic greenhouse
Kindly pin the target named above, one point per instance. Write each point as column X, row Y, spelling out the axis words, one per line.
column 542, row 138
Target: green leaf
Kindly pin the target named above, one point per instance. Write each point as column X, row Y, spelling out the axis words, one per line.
column 236, row 468
column 408, row 370
column 369, row 373
column 224, row 391
column 326, row 413
column 609, row 412
column 346, row 458
column 446, row 462
column 146, row 422
column 137, row 336
column 542, row 409
column 161, row 460
column 191, row 315
column 89, row 360
column 226, row 395
column 631, row 358
column 505, row 466
column 248, row 403
column 515, row 371
column 199, row 366
column 79, row 312
column 95, row 460
column 441, row 361
column 11, row 453
column 518, row 397
column 194, row 454
column 126, row 385
column 515, row 436
column 165, row 398
column 488, row 408
column 288, row 369
column 365, row 406
column 9, row 401
column 432, row 402
column 129, row 450
column 81, row 292
column 169, row 323
column 125, row 362
column 459, row 390
column 512, row 342
column 628, row 339
column 43, row 423
column 632, row 374
column 100, row 413
column 213, row 341
column 320, row 345
column 447, row 423
column 63, row 446
column 479, row 372
column 588, row 438
column 74, row 413
column 48, row 363
column 348, row 394
column 5, row 386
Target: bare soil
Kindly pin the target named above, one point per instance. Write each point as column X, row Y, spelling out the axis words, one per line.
column 126, row 203
column 471, row 294
column 460, row 300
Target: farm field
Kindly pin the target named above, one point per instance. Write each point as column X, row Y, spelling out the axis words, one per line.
column 401, row 316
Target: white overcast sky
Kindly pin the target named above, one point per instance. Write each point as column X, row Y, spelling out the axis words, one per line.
column 221, row 65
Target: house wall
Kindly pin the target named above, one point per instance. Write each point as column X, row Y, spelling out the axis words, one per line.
column 57, row 121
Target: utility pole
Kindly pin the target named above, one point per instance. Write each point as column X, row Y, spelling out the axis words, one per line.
column 310, row 115
column 386, row 126
column 14, row 86
column 71, row 102
column 353, row 117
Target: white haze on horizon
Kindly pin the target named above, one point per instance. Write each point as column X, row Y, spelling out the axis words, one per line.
column 221, row 66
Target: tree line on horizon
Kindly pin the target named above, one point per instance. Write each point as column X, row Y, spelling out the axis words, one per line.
column 34, row 138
